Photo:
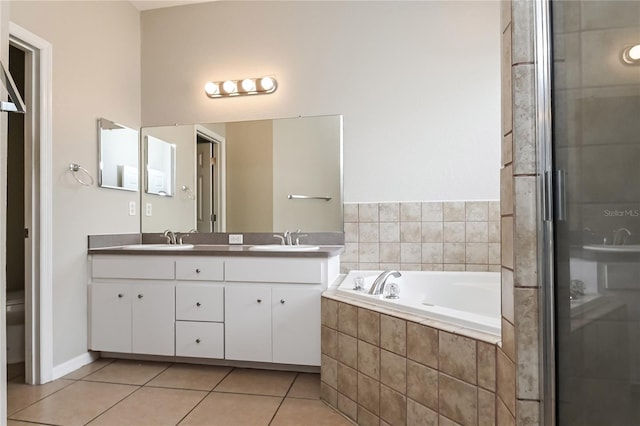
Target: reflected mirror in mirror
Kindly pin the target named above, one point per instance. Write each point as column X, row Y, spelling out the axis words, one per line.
column 160, row 167
column 252, row 176
column 118, row 150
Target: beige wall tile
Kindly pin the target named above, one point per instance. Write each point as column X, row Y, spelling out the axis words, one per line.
column 366, row 418
column 432, row 212
column 350, row 254
column 369, row 359
column 329, row 342
column 503, row 416
column 369, row 393
column 524, row 147
column 393, row 334
column 477, row 232
column 350, row 212
column 348, row 319
column 494, row 210
column 432, row 267
column 368, row 212
column 432, row 232
column 454, row 253
column 507, row 149
column 386, row 266
column 506, row 380
column 526, row 234
column 454, row 232
column 528, row 413
column 369, row 326
column 368, row 232
column 477, row 253
column 347, row 406
column 476, row 268
column 411, row 266
column 368, row 266
column 458, row 356
column 443, row 421
column 507, row 294
column 410, row 212
column 329, row 394
column 487, row 365
column 454, row 267
column 506, row 96
column 494, row 254
column 508, row 339
column 350, row 232
column 389, row 212
column 411, row 253
column 432, row 253
column 477, row 211
column 494, row 268
column 505, row 14
column 329, row 371
column 411, row 232
column 526, row 331
column 453, row 211
column 486, row 408
column 390, row 232
column 393, row 371
column 522, row 22
column 506, row 190
column 369, row 252
column 419, row 415
column 458, row 400
column 506, row 228
column 422, row 384
column 390, row 252
column 329, row 313
column 347, row 381
column 393, row 406
column 348, row 350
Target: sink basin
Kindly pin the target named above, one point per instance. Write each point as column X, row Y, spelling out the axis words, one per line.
column 631, row 248
column 279, row 247
column 159, row 247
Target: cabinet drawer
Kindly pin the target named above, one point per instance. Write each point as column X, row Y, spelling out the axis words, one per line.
column 303, row 271
column 200, row 339
column 200, row 269
column 132, row 268
column 199, row 302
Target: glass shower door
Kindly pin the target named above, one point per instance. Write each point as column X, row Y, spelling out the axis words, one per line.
column 596, row 156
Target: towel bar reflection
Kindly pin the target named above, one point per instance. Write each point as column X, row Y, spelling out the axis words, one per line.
column 77, row 171
column 307, row 197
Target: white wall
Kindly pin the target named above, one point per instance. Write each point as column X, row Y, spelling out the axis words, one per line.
column 4, row 55
column 96, row 73
column 418, row 83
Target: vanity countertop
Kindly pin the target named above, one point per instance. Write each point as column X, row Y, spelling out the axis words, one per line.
column 221, row 250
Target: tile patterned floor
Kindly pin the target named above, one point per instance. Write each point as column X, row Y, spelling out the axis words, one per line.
column 119, row 392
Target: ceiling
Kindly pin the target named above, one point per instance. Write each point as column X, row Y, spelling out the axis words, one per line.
column 157, row 4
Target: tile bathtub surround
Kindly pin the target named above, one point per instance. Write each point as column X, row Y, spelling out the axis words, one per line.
column 427, row 236
column 405, row 373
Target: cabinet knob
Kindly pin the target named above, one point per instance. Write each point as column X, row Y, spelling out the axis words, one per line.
column 198, row 304
column 197, row 340
column 120, row 295
column 282, row 301
column 197, row 271
column 259, row 300
column 140, row 296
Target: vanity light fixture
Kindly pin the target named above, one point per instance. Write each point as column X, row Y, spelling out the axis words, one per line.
column 247, row 86
column 631, row 55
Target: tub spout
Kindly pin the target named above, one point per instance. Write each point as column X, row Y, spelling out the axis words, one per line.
column 377, row 287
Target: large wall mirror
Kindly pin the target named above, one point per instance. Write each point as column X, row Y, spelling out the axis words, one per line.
column 118, row 151
column 250, row 176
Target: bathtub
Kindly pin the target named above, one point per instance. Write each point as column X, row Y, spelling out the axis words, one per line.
column 466, row 299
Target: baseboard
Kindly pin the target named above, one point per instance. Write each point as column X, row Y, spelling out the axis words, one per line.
column 65, row 368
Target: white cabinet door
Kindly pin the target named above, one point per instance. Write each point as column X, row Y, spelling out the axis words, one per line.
column 110, row 317
column 153, row 324
column 248, row 323
column 296, row 325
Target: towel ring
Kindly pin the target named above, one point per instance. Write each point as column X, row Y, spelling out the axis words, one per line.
column 77, row 169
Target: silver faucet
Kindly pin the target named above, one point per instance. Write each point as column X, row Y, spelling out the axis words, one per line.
column 619, row 237
column 285, row 238
column 170, row 236
column 377, row 287
column 298, row 234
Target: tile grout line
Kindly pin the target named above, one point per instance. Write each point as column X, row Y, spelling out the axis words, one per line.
column 283, row 398
column 206, row 396
column 9, row 417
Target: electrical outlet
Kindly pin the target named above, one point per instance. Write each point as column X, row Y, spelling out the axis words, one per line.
column 148, row 209
column 235, row 238
column 132, row 208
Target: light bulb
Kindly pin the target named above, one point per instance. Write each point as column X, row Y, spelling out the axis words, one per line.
column 229, row 86
column 267, row 83
column 634, row 52
column 211, row 88
column 248, row 85
column 631, row 55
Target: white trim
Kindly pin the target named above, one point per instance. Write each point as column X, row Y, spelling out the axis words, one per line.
column 43, row 328
column 221, row 208
column 73, row 364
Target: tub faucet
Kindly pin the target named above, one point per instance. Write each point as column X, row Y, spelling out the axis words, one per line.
column 377, row 287
column 619, row 237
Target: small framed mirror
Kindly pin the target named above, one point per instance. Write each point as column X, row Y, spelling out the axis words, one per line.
column 118, row 150
column 161, row 167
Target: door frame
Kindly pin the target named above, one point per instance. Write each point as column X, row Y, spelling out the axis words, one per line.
column 39, row 130
column 220, row 209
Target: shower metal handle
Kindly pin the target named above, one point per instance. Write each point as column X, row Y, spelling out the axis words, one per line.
column 561, row 194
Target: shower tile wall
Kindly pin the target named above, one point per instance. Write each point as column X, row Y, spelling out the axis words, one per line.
column 427, row 236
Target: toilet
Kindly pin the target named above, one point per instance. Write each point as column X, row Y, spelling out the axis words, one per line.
column 15, row 327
